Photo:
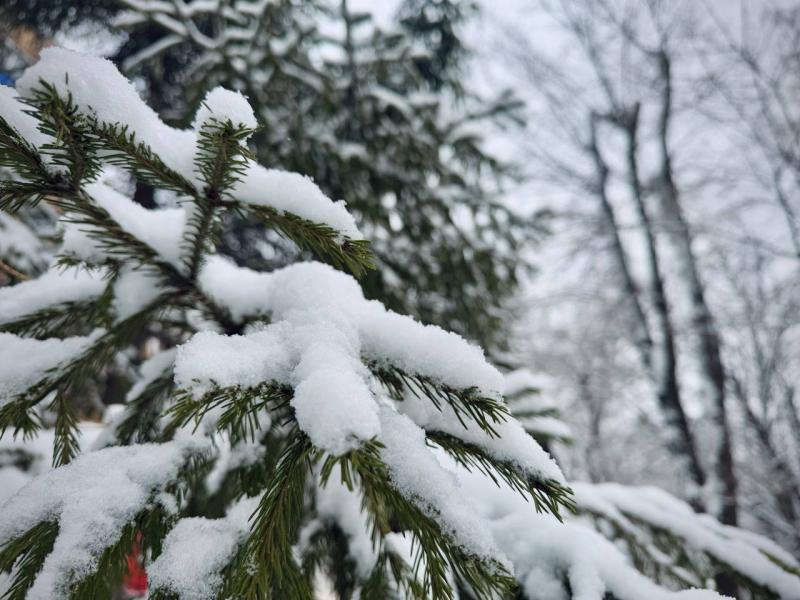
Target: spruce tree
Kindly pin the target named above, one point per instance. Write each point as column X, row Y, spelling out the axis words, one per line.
column 378, row 118
column 287, row 426
column 320, row 411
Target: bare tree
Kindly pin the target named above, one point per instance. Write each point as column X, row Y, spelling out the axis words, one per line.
column 763, row 323
column 756, row 75
column 615, row 105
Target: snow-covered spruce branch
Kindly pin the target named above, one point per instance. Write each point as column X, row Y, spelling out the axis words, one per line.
column 308, row 383
column 672, row 544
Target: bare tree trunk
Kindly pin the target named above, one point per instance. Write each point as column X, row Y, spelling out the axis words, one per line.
column 594, row 447
column 664, row 360
column 702, row 322
column 661, row 366
column 793, row 415
column 641, row 334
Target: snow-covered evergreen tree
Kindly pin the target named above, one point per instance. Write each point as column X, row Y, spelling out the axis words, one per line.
column 301, row 399
column 376, row 117
column 288, row 427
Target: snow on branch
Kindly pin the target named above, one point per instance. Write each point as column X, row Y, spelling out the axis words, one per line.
column 196, row 551
column 98, row 90
column 24, row 360
column 556, row 557
column 86, row 507
column 50, row 291
column 666, row 529
column 319, row 315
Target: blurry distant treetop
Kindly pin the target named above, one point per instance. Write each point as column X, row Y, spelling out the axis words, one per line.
column 48, row 16
column 435, row 23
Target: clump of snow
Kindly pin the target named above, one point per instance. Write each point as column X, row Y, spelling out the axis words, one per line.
column 427, row 350
column 332, row 400
column 294, row 193
column 24, row 360
column 322, row 330
column 161, row 229
column 98, row 88
column 211, row 359
column 134, row 289
column 197, row 549
column 385, row 336
column 93, row 499
column 221, row 104
column 50, row 289
column 417, row 474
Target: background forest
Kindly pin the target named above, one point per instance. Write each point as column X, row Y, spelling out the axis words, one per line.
column 604, row 196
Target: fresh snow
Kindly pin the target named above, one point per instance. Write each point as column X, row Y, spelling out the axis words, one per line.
column 744, row 551
column 197, row 549
column 52, row 288
column 24, row 360
column 221, row 104
column 93, row 498
column 98, row 88
column 248, row 360
column 321, row 330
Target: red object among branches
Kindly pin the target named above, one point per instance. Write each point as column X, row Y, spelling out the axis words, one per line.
column 135, row 582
